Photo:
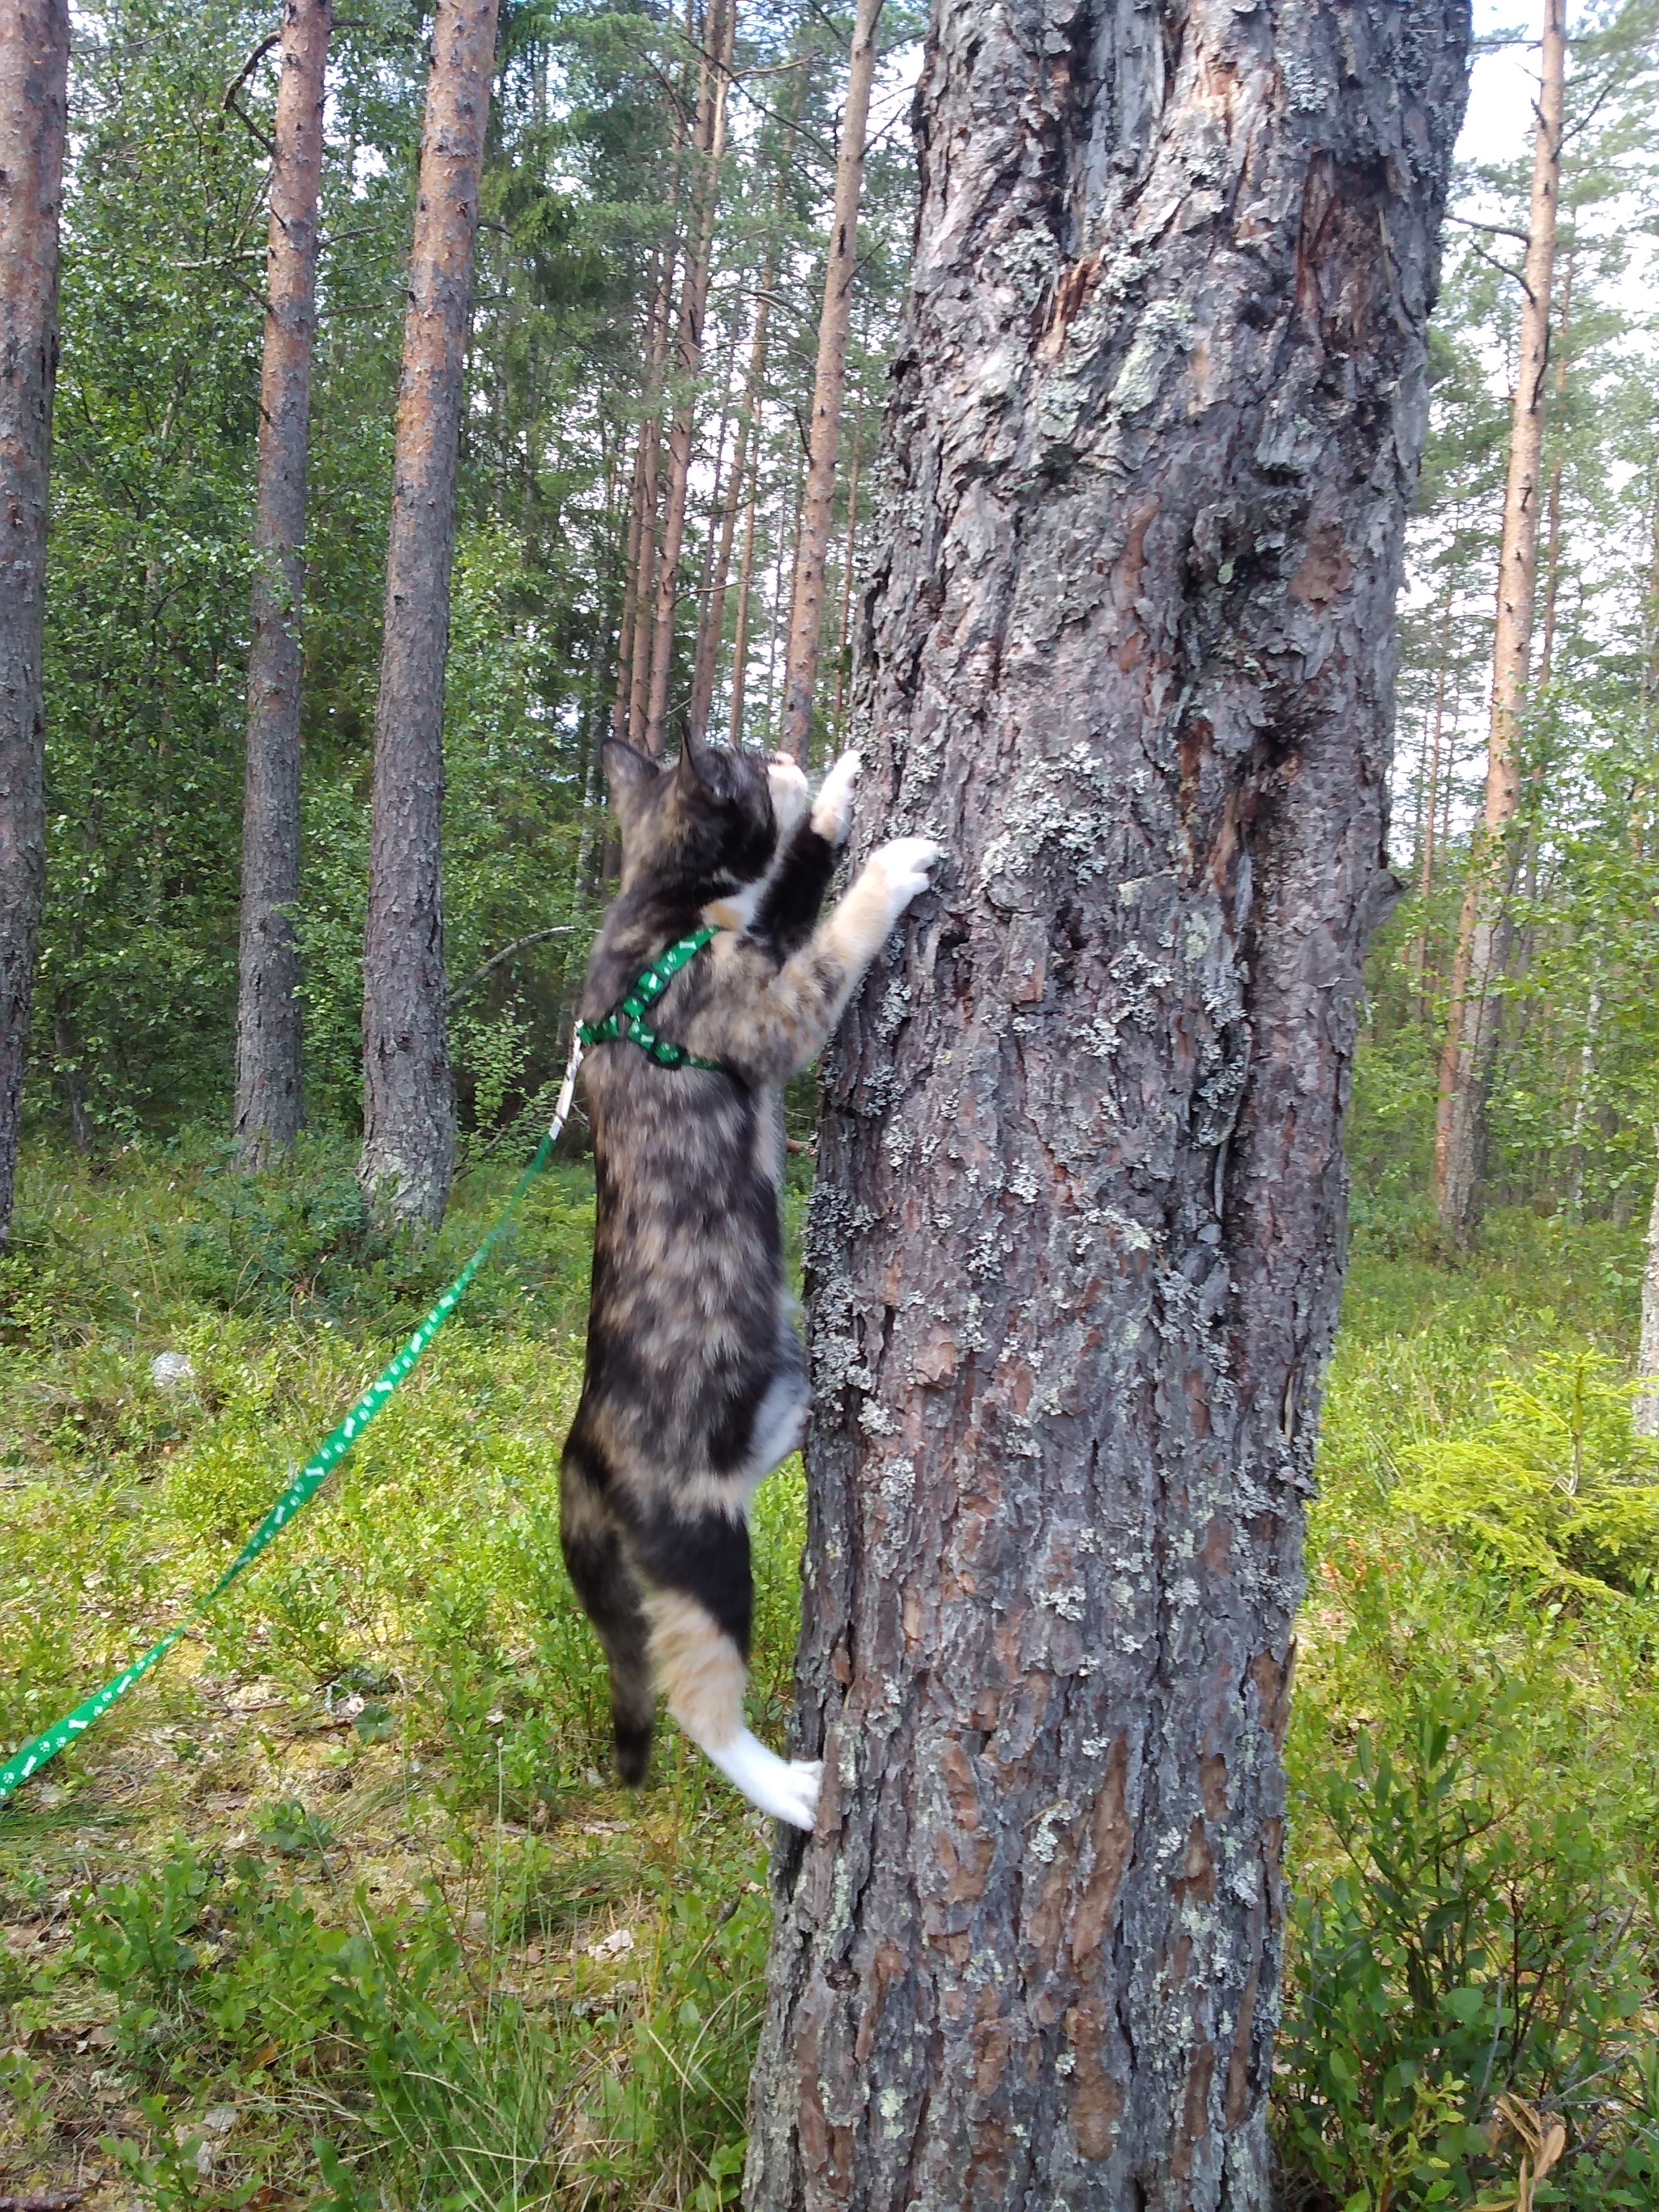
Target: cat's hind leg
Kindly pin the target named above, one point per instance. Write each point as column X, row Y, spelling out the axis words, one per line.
column 612, row 1596
column 699, row 1607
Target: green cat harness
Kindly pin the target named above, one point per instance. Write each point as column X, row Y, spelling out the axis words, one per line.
column 627, row 1017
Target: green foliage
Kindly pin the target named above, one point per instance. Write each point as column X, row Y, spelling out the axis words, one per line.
column 443, row 2085
column 1474, row 1787
column 1474, row 1946
column 1552, row 1485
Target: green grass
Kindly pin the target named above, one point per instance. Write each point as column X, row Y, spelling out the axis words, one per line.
column 338, row 1909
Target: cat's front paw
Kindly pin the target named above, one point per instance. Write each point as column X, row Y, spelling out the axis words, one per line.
column 901, row 868
column 832, row 810
column 788, row 787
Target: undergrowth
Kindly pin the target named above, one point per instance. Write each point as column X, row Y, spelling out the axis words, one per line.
column 338, row 1909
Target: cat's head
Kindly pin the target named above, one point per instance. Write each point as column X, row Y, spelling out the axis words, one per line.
column 705, row 825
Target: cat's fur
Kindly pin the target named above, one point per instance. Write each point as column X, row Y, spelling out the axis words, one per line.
column 695, row 1386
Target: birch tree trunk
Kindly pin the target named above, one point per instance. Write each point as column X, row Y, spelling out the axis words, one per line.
column 800, row 671
column 34, row 36
column 1076, row 1246
column 1481, row 948
column 269, row 1101
column 409, row 1098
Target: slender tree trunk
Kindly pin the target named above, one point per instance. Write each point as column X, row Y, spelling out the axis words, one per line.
column 1076, row 1245
column 1479, row 958
column 1553, row 525
column 630, row 575
column 269, row 1099
column 1645, row 1410
column 1429, row 795
column 713, row 616
column 1581, row 1103
column 35, row 37
column 844, row 623
column 408, row 1098
column 806, row 608
column 740, row 633
column 645, row 578
column 720, row 23
column 788, row 543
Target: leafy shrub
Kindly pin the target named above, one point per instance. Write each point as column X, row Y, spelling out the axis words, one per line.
column 1555, row 1485
column 1470, row 1951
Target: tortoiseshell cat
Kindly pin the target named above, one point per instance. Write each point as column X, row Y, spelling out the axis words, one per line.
column 696, row 1386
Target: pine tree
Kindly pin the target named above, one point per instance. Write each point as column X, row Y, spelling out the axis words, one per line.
column 34, row 38
column 268, row 1100
column 409, row 1103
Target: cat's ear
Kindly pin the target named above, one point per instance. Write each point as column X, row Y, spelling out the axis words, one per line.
column 626, row 771
column 692, row 761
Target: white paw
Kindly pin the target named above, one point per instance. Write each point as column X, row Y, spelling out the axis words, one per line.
column 902, row 865
column 786, row 1788
column 832, row 810
column 788, row 789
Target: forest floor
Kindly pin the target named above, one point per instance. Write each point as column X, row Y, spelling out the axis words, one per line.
column 337, row 1909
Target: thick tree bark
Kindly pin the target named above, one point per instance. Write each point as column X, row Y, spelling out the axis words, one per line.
column 35, row 37
column 1076, row 1246
column 1481, row 949
column 269, row 1102
column 409, row 1098
column 800, row 672
column 720, row 27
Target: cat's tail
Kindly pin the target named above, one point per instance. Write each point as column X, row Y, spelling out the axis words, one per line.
column 611, row 1597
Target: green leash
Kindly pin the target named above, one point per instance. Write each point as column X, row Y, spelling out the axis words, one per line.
column 304, row 1486
column 626, row 1018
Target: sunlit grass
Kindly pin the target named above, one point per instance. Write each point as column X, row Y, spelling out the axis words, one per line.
column 431, row 1954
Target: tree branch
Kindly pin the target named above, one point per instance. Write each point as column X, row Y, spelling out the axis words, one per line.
column 536, row 936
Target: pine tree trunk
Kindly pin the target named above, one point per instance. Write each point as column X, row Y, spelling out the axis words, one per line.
column 1429, row 796
column 408, row 1098
column 630, row 572
column 744, row 462
column 268, row 1100
column 1076, row 1246
column 34, row 36
column 1553, row 525
column 806, row 604
column 844, row 624
column 720, row 24
column 740, row 631
column 1481, row 951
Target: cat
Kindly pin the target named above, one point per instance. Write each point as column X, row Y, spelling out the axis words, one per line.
column 695, row 1384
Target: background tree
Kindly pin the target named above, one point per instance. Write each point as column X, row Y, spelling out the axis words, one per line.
column 33, row 68
column 1077, row 1237
column 269, row 1102
column 806, row 604
column 409, row 1108
column 1477, row 960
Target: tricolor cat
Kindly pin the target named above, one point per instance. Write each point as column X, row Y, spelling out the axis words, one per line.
column 696, row 1386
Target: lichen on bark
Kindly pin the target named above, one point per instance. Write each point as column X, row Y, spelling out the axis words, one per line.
column 1076, row 1247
